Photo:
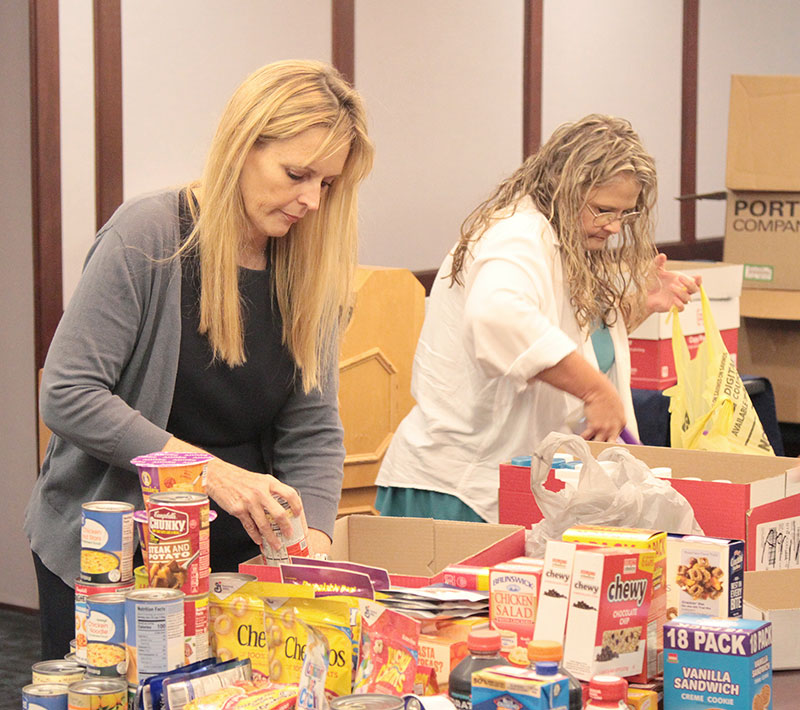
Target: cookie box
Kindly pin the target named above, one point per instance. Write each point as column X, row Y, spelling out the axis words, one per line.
column 717, row 663
column 704, row 576
column 607, row 626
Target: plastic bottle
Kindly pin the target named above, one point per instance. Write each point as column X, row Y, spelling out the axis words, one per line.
column 607, row 692
column 541, row 651
column 484, row 651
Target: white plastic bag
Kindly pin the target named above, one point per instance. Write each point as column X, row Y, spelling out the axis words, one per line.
column 616, row 489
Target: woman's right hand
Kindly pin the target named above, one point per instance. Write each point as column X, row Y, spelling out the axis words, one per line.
column 604, row 412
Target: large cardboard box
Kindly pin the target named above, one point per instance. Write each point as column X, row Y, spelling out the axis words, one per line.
column 769, row 345
column 763, row 175
column 773, row 596
column 722, row 509
column 415, row 551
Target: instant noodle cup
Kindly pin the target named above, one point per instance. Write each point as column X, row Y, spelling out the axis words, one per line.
column 171, row 471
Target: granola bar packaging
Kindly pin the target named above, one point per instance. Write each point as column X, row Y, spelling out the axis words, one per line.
column 717, row 663
column 705, row 575
column 607, row 626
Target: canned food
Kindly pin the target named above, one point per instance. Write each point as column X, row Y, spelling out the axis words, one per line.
column 179, row 541
column 140, row 578
column 44, row 696
column 153, row 632
column 84, row 590
column 105, row 635
column 133, row 700
column 367, row 701
column 98, row 694
column 140, row 523
column 57, row 671
column 72, row 656
column 106, row 541
column 195, row 628
column 171, row 471
column 295, row 545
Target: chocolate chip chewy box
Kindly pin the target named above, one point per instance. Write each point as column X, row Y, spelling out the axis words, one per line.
column 609, row 603
column 712, row 663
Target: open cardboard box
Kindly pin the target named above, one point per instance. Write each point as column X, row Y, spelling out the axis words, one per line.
column 758, row 486
column 414, row 551
column 773, row 595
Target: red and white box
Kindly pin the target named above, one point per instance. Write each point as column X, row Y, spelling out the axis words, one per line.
column 608, row 609
column 513, row 601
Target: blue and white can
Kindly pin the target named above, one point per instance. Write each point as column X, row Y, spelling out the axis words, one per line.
column 45, row 696
column 153, row 632
column 106, row 541
column 105, row 635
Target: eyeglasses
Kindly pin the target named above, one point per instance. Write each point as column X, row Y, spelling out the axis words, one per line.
column 603, row 219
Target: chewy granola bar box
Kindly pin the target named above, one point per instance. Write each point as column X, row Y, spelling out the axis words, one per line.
column 640, row 539
column 609, row 605
column 717, row 663
column 705, row 575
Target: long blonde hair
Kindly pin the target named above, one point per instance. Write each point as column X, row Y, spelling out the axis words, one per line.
column 577, row 158
column 314, row 264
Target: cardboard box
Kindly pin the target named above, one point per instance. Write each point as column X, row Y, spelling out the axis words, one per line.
column 721, row 280
column 769, row 343
column 772, row 596
column 722, row 509
column 415, row 551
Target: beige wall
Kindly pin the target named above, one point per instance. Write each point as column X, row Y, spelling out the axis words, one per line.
column 17, row 383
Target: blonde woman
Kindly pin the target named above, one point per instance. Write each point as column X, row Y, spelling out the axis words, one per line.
column 208, row 317
column 526, row 327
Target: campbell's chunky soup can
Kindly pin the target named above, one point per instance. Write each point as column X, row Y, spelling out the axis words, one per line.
column 84, row 590
column 195, row 628
column 56, row 671
column 106, row 541
column 171, row 471
column 154, row 633
column 98, row 694
column 44, row 696
column 105, row 635
column 179, row 541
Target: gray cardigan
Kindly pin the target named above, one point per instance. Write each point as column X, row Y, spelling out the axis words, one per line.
column 108, row 383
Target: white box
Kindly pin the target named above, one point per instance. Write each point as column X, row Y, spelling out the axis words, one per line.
column 551, row 617
column 773, row 596
column 720, row 280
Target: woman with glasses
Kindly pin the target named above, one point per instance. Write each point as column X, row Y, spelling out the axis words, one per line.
column 526, row 330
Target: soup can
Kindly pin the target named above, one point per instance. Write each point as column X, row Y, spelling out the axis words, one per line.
column 367, row 701
column 295, row 545
column 153, row 632
column 140, row 578
column 105, row 635
column 140, row 523
column 98, row 694
column 171, row 471
column 44, row 696
column 178, row 551
column 106, row 541
column 84, row 590
column 195, row 628
column 56, row 671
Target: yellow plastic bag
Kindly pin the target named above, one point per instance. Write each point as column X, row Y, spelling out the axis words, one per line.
column 709, row 407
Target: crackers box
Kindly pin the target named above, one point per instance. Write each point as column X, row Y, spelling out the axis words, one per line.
column 511, row 688
column 705, row 575
column 608, row 624
column 639, row 539
column 717, row 663
column 513, row 601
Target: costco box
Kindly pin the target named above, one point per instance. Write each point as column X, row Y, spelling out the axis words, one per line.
column 763, row 211
column 773, row 596
column 415, row 551
column 722, row 509
column 769, row 344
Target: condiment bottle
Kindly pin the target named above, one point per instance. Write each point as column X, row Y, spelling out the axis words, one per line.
column 553, row 651
column 484, row 651
column 607, row 692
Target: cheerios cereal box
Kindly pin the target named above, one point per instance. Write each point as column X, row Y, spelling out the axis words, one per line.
column 609, row 604
column 513, row 600
column 637, row 538
column 717, row 663
column 705, row 575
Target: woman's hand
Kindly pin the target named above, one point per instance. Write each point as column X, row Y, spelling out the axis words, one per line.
column 669, row 288
column 249, row 496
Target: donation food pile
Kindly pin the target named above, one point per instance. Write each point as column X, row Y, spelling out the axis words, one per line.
column 617, row 615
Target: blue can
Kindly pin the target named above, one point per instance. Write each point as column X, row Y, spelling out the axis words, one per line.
column 44, row 696
column 106, row 541
column 105, row 635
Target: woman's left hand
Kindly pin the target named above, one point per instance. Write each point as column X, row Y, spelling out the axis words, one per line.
column 669, row 288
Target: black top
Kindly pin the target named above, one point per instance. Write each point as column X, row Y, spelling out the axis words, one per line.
column 229, row 411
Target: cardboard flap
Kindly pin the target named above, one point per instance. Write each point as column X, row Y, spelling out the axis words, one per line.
column 772, row 304
column 773, row 589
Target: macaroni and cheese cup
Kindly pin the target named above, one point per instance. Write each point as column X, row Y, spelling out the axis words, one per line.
column 171, row 472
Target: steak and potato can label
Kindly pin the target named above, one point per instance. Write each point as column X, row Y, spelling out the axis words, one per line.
column 195, row 628
column 56, row 671
column 154, row 633
column 98, row 694
column 178, row 549
column 105, row 635
column 44, row 696
column 106, row 541
column 84, row 590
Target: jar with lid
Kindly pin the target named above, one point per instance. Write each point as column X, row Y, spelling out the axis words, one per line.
column 484, row 651
column 607, row 692
column 540, row 651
